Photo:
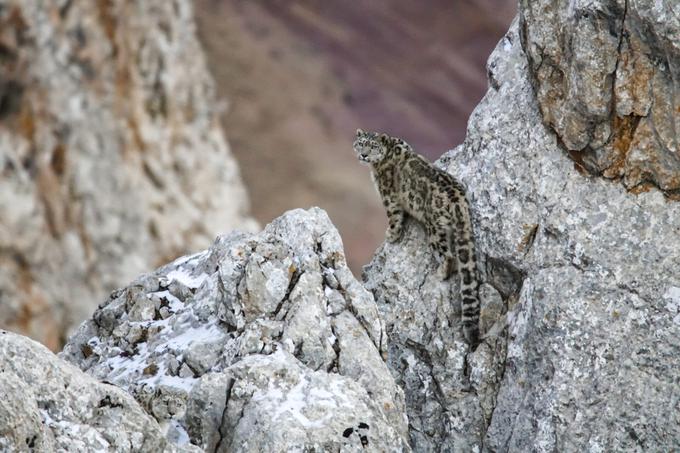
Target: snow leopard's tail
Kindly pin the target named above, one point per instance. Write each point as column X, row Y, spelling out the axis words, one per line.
column 469, row 281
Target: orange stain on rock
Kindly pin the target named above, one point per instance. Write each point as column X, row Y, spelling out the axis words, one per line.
column 623, row 132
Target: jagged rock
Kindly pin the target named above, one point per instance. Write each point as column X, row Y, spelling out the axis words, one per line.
column 606, row 73
column 266, row 343
column 580, row 309
column 50, row 405
column 111, row 157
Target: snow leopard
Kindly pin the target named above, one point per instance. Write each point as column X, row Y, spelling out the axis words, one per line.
column 410, row 186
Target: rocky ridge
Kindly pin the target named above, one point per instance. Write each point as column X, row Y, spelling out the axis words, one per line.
column 267, row 341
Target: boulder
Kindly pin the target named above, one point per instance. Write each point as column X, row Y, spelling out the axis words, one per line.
column 50, row 405
column 261, row 343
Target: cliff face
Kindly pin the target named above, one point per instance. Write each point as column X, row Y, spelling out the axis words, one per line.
column 111, row 157
column 580, row 306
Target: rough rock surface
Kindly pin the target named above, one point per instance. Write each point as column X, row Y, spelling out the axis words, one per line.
column 581, row 309
column 261, row 343
column 449, row 391
column 50, row 405
column 607, row 74
column 111, row 157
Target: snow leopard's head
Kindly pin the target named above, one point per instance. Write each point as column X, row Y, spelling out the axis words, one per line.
column 370, row 147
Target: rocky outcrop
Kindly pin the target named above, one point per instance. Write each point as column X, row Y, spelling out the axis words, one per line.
column 261, row 343
column 580, row 307
column 606, row 74
column 50, row 405
column 267, row 343
column 111, row 158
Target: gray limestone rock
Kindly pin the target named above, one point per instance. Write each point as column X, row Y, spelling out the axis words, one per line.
column 111, row 156
column 255, row 351
column 606, row 75
column 581, row 302
column 50, row 405
column 276, row 404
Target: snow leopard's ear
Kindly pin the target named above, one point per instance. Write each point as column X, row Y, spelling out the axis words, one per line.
column 384, row 138
column 360, row 132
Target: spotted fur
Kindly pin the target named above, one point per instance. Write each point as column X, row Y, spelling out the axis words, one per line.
column 410, row 186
